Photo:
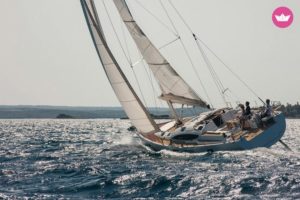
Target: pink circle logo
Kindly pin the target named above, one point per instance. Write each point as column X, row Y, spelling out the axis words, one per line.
column 282, row 17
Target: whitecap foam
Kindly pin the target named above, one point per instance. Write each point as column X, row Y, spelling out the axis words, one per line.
column 180, row 154
column 125, row 140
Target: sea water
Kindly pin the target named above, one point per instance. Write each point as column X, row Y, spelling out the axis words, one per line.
column 100, row 159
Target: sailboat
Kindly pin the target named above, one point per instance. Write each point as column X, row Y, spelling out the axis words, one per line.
column 214, row 130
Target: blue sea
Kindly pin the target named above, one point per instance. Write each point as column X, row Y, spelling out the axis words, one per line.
column 100, row 159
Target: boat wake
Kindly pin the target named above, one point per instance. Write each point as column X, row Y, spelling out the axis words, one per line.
column 168, row 153
column 125, row 140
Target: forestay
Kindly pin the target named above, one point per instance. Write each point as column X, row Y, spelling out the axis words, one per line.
column 169, row 80
column 124, row 91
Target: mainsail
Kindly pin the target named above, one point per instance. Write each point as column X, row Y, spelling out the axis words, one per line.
column 174, row 88
column 132, row 105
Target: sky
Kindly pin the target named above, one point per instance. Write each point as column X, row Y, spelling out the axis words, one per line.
column 47, row 56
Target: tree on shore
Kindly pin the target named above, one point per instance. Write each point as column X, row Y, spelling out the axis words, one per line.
column 292, row 111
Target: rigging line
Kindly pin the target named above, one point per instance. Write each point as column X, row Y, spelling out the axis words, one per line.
column 219, row 84
column 128, row 59
column 141, row 60
column 181, row 110
column 167, row 13
column 196, row 72
column 132, row 65
column 137, row 62
column 169, row 43
column 228, row 68
column 127, row 49
column 213, row 73
column 151, row 82
column 115, row 32
column 125, row 40
column 216, row 79
column 155, row 17
column 186, row 24
column 234, row 97
column 155, row 92
column 187, row 53
column 151, row 14
column 140, row 89
column 152, row 87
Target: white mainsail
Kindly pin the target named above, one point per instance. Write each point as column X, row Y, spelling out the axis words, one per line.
column 174, row 88
column 131, row 103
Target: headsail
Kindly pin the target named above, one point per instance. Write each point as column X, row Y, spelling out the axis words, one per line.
column 169, row 80
column 131, row 103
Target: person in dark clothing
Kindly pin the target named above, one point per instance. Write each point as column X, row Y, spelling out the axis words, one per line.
column 248, row 112
column 242, row 117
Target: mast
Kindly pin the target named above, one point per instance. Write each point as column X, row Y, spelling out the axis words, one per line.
column 131, row 103
column 174, row 88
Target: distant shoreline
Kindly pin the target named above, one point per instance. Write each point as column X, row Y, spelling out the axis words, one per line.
column 72, row 112
column 82, row 112
column 54, row 112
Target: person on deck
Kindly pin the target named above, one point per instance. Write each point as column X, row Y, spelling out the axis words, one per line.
column 243, row 109
column 248, row 112
column 268, row 110
column 242, row 117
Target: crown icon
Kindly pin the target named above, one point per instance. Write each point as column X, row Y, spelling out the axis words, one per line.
column 282, row 18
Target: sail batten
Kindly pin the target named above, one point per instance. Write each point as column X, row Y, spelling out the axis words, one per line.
column 131, row 103
column 168, row 79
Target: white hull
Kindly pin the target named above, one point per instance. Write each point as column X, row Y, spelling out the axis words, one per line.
column 267, row 138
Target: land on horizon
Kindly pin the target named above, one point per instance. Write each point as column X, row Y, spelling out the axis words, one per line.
column 77, row 112
column 93, row 112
